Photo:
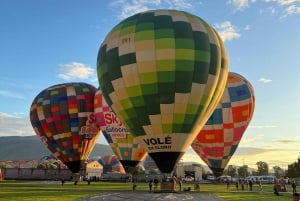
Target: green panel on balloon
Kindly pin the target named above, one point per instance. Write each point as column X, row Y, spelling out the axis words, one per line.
column 147, row 78
column 137, row 101
column 127, row 59
column 163, row 38
column 149, row 89
column 165, row 65
column 144, row 35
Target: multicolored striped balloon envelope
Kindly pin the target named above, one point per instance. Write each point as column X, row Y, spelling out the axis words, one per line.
column 62, row 116
column 110, row 164
column 121, row 141
column 159, row 71
column 221, row 135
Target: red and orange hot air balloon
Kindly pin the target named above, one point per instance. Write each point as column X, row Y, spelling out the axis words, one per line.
column 220, row 137
column 63, row 118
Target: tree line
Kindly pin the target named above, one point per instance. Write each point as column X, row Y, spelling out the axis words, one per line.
column 293, row 170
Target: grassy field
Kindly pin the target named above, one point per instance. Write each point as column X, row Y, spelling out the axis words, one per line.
column 53, row 190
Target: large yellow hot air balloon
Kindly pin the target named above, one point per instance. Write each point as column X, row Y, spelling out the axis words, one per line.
column 219, row 138
column 161, row 71
column 120, row 140
column 63, row 118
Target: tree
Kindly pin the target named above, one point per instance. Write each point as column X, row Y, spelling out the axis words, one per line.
column 262, row 168
column 279, row 172
column 243, row 171
column 293, row 170
column 231, row 171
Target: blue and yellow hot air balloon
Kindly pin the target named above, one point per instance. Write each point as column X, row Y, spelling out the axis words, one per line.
column 62, row 116
column 160, row 71
column 219, row 138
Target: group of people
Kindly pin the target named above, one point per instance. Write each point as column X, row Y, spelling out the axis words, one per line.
column 155, row 182
column 243, row 184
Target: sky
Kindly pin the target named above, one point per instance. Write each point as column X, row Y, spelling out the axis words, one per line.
column 48, row 42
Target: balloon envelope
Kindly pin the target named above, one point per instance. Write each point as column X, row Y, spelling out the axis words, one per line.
column 219, row 138
column 63, row 118
column 111, row 163
column 121, row 141
column 159, row 71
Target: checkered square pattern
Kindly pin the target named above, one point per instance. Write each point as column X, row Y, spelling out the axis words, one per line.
column 219, row 138
column 57, row 115
column 160, row 70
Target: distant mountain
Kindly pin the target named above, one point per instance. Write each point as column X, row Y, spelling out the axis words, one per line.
column 31, row 148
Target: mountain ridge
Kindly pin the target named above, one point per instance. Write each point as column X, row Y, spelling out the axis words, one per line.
column 31, row 148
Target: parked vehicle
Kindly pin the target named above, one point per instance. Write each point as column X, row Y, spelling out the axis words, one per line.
column 211, row 177
column 263, row 179
column 188, row 179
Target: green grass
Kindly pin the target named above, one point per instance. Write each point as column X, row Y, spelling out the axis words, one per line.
column 48, row 191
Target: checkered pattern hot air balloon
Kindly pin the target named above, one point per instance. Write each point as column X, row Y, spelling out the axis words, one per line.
column 221, row 135
column 160, row 71
column 62, row 116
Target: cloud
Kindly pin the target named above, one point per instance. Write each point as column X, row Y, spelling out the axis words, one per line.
column 127, row 8
column 274, row 157
column 11, row 94
column 227, row 31
column 249, row 140
column 286, row 2
column 285, row 141
column 264, row 80
column 240, row 4
column 75, row 70
column 14, row 126
column 287, row 7
column 282, row 2
column 263, row 126
column 290, row 10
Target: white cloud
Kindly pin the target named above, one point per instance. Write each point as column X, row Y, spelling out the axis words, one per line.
column 227, row 31
column 127, row 8
column 286, row 2
column 263, row 126
column 10, row 94
column 292, row 9
column 75, row 70
column 287, row 7
column 240, row 4
column 250, row 140
column 14, row 126
column 264, row 80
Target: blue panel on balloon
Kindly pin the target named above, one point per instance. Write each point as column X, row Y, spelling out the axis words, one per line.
column 239, row 93
column 215, row 118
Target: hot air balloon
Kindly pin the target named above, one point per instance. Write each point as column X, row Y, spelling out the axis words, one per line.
column 62, row 116
column 111, row 163
column 160, row 71
column 121, row 141
column 220, row 137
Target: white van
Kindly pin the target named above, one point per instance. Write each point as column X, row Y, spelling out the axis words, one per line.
column 267, row 179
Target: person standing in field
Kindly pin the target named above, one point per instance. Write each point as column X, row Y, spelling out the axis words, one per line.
column 260, row 186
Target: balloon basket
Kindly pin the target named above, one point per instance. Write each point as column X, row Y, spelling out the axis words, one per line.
column 168, row 186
